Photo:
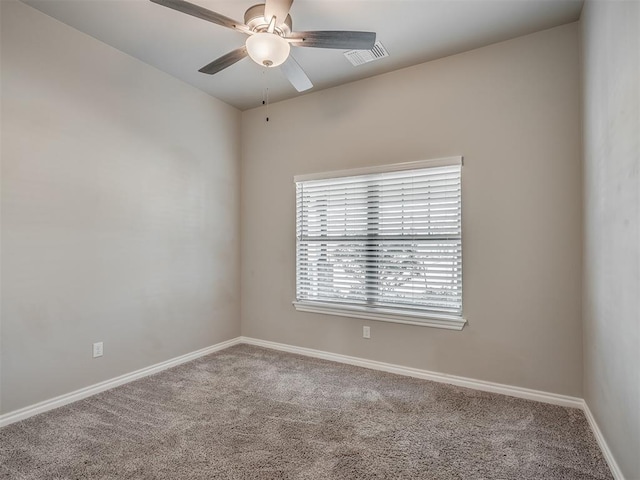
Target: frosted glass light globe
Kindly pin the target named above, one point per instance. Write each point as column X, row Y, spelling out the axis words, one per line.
column 267, row 49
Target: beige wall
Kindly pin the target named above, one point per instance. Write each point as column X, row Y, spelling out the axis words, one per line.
column 513, row 111
column 611, row 57
column 119, row 212
column 120, row 209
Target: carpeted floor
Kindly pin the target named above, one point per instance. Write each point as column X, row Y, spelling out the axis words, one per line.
column 252, row 413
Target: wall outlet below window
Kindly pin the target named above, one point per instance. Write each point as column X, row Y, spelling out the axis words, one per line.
column 366, row 332
column 97, row 349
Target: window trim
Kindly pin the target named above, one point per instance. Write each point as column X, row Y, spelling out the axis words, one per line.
column 395, row 167
column 449, row 322
column 384, row 314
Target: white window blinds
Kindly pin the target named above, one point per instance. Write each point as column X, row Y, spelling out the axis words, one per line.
column 383, row 241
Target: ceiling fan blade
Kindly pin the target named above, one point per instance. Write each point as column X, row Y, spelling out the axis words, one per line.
column 294, row 73
column 343, row 40
column 203, row 13
column 224, row 61
column 277, row 8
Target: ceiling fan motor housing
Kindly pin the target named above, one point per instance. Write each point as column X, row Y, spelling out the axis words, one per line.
column 254, row 19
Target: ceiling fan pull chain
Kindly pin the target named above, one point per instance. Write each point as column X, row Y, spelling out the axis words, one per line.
column 267, row 109
column 265, row 92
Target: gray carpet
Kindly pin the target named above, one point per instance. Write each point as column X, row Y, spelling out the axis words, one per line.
column 252, row 413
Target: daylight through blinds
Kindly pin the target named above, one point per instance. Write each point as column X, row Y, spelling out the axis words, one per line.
column 383, row 240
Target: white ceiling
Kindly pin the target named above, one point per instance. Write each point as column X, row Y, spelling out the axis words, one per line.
column 413, row 31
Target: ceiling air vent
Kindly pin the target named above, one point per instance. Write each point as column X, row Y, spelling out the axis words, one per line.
column 359, row 57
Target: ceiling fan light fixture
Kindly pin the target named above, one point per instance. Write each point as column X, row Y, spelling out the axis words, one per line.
column 267, row 49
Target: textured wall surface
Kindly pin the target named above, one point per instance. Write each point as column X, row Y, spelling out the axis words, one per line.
column 119, row 212
column 513, row 110
column 611, row 58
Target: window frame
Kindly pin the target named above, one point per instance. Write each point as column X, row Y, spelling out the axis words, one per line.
column 401, row 315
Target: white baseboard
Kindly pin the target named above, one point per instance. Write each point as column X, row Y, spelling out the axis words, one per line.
column 67, row 398
column 606, row 452
column 537, row 395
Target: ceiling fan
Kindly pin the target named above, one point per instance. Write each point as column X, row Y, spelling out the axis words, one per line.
column 269, row 28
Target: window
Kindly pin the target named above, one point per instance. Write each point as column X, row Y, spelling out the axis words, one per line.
column 382, row 243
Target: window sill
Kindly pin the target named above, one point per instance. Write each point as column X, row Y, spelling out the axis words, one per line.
column 385, row 315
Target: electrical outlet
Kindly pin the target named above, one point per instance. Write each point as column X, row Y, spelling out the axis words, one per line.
column 97, row 349
column 366, row 332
